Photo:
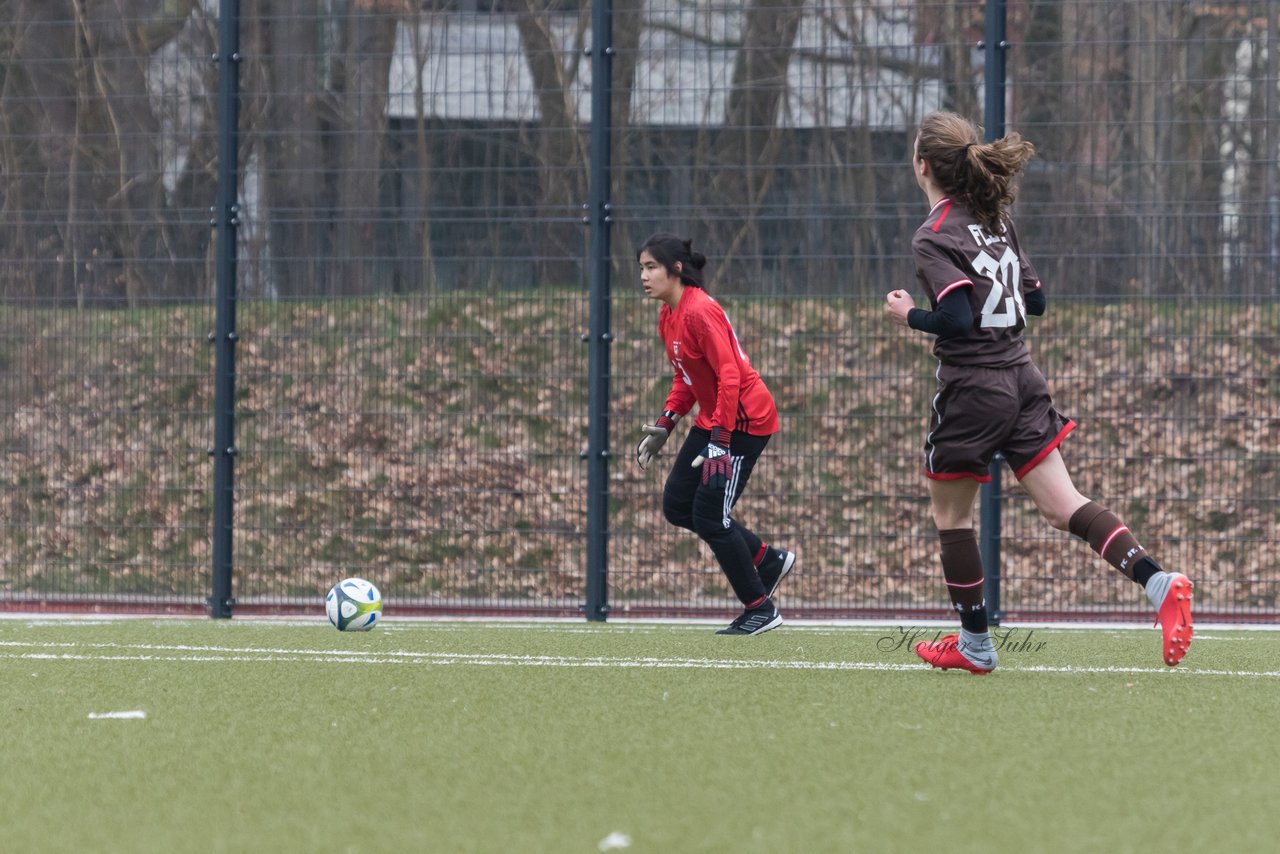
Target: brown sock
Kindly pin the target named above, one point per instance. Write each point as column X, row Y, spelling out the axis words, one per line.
column 962, row 567
column 1108, row 536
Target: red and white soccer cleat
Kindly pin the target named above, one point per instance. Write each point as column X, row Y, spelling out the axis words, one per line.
column 944, row 654
column 1174, row 619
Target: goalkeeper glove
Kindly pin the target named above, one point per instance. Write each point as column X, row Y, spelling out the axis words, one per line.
column 655, row 436
column 717, row 465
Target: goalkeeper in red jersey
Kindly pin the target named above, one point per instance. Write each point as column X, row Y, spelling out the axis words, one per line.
column 991, row 397
column 736, row 417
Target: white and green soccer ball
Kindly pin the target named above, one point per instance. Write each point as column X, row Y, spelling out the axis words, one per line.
column 353, row 605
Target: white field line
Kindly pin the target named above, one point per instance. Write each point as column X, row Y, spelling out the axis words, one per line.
column 640, row 625
column 180, row 653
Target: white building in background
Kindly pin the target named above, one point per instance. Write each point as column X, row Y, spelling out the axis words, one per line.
column 473, row 68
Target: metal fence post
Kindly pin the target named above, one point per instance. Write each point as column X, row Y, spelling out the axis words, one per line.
column 996, row 45
column 994, row 73
column 600, row 337
column 226, row 217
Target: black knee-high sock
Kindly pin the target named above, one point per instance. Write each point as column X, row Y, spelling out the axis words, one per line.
column 962, row 568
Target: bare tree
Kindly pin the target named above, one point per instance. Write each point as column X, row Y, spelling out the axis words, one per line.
column 118, row 49
column 560, row 144
column 742, row 169
column 367, row 34
column 420, row 45
column 283, row 82
column 1250, row 189
column 1125, row 106
column 318, row 81
column 628, row 23
column 40, row 103
column 77, row 96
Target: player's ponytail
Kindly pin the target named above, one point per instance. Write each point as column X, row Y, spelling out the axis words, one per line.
column 667, row 250
column 980, row 176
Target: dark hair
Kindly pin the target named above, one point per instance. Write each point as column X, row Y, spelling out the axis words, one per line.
column 980, row 176
column 667, row 249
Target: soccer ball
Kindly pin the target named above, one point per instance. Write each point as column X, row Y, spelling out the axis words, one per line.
column 353, row 605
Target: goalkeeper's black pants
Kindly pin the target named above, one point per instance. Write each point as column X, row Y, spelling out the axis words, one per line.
column 688, row 503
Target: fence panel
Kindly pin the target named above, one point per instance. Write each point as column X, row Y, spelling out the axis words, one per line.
column 412, row 379
column 1152, row 211
column 105, row 369
column 1160, row 338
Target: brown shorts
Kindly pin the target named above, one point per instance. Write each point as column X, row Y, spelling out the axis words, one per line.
column 978, row 411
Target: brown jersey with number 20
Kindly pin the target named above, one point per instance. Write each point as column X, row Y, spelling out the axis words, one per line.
column 953, row 251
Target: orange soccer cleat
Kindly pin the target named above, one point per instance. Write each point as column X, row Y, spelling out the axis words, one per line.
column 944, row 654
column 1174, row 619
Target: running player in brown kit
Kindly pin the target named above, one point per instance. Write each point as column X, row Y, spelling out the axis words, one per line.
column 991, row 397
column 736, row 417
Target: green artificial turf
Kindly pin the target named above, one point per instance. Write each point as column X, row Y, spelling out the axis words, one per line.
column 568, row 737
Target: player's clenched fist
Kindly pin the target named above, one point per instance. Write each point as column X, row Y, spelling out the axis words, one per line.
column 899, row 303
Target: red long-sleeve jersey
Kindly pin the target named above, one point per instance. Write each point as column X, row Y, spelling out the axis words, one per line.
column 712, row 370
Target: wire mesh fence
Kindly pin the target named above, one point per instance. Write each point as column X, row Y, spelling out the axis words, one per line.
column 411, row 377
